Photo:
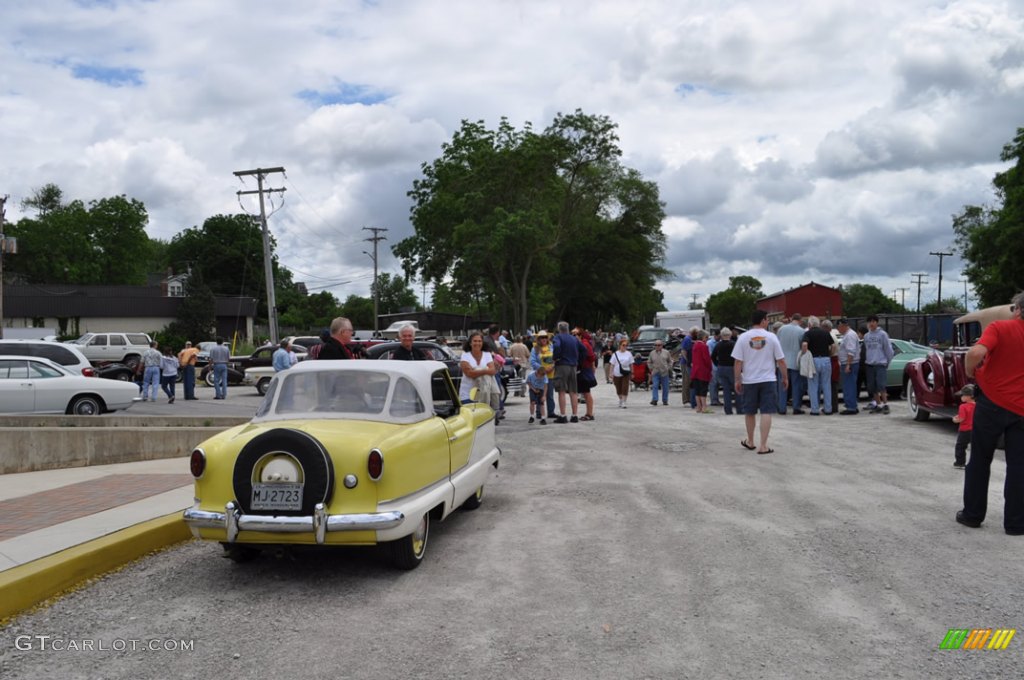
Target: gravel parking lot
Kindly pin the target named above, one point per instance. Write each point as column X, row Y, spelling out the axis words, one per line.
column 646, row 544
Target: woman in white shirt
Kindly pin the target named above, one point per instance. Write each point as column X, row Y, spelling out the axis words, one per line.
column 476, row 363
column 622, row 371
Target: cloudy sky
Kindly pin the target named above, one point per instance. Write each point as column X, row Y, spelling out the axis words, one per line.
column 792, row 141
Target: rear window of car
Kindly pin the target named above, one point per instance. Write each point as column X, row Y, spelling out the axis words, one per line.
column 336, row 392
column 138, row 339
column 57, row 354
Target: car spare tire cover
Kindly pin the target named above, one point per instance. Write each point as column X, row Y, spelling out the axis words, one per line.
column 316, row 466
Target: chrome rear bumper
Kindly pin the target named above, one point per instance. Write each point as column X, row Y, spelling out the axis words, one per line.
column 232, row 521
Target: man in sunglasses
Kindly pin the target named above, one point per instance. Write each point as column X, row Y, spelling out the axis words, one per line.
column 996, row 361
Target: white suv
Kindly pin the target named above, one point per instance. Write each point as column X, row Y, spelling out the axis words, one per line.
column 68, row 356
column 126, row 348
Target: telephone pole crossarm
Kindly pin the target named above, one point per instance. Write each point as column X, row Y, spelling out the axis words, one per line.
column 940, row 255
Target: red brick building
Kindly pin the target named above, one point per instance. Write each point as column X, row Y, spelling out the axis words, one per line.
column 811, row 298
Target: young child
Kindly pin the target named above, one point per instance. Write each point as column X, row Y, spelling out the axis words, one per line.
column 538, row 382
column 965, row 417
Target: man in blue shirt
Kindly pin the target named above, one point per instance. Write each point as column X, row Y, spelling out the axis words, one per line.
column 567, row 349
column 281, row 359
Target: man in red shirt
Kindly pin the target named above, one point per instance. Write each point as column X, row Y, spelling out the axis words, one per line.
column 997, row 363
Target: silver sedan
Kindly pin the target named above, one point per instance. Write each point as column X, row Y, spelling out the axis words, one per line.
column 37, row 385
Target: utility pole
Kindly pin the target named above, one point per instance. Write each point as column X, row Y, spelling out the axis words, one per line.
column 940, row 255
column 903, row 297
column 693, row 305
column 376, row 238
column 965, row 282
column 918, row 282
column 268, row 269
column 3, row 248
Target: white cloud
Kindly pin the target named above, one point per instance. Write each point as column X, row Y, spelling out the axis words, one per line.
column 828, row 140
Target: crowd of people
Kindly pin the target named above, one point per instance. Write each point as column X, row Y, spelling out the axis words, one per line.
column 767, row 370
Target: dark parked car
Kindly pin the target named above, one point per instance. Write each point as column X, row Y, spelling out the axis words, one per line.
column 644, row 343
column 386, row 350
column 115, row 371
column 264, row 356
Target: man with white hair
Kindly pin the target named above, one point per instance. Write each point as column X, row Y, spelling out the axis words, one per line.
column 407, row 351
column 721, row 356
column 849, row 365
column 338, row 344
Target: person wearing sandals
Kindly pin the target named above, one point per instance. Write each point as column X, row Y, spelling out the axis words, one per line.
column 622, row 371
column 757, row 353
column 700, row 375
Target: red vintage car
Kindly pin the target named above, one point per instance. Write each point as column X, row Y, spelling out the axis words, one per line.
column 933, row 381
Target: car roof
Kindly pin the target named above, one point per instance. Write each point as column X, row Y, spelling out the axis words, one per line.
column 415, row 370
column 419, row 373
column 987, row 315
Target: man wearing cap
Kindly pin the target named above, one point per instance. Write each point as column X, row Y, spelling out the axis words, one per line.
column 660, row 364
column 187, row 361
column 964, row 418
column 995, row 362
column 849, row 365
column 542, row 356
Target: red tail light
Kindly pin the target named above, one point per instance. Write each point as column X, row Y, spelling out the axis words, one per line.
column 375, row 464
column 197, row 463
column 88, row 373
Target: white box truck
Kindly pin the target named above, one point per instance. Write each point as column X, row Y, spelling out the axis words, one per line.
column 685, row 320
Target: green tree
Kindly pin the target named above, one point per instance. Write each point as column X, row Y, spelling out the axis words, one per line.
column 991, row 238
column 952, row 304
column 734, row 305
column 358, row 310
column 228, row 249
column 863, row 299
column 505, row 213
column 104, row 243
column 307, row 312
column 118, row 229
column 394, row 294
column 45, row 199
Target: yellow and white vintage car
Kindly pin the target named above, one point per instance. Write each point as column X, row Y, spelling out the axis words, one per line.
column 345, row 453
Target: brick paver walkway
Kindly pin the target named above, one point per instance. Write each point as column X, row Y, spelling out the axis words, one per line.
column 44, row 509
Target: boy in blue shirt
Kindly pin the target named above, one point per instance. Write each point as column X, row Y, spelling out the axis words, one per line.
column 538, row 382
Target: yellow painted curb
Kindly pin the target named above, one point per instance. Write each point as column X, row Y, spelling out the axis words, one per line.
column 29, row 584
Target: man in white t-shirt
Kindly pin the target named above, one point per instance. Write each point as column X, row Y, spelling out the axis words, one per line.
column 757, row 353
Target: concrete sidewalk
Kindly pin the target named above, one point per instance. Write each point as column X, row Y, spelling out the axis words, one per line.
column 60, row 527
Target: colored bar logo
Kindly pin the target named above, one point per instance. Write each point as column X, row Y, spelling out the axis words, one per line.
column 978, row 638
